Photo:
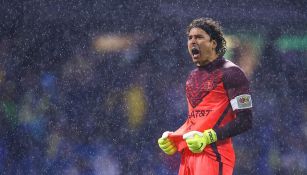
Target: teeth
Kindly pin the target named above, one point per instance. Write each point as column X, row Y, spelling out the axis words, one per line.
column 195, row 51
column 195, row 55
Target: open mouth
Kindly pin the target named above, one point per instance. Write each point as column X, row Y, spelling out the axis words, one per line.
column 195, row 52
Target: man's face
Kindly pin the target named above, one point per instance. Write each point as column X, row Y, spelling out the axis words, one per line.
column 201, row 47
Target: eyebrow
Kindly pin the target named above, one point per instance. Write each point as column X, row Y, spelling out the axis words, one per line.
column 197, row 35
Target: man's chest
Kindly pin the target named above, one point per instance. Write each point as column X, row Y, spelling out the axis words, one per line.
column 200, row 84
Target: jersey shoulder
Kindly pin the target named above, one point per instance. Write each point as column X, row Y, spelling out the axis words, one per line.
column 229, row 64
column 233, row 75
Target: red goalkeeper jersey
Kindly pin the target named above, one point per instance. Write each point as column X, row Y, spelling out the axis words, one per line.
column 210, row 90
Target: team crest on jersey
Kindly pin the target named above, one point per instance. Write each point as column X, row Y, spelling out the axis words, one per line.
column 209, row 85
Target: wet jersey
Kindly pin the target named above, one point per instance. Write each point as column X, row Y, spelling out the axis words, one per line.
column 210, row 91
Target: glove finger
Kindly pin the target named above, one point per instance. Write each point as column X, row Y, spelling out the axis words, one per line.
column 192, row 149
column 195, row 146
column 191, row 141
column 168, row 149
column 162, row 141
column 198, row 148
column 166, row 145
column 172, row 151
column 192, row 145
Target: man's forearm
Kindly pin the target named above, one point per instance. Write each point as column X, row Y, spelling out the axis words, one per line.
column 240, row 124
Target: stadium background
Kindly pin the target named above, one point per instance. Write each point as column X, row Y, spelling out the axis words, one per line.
column 88, row 86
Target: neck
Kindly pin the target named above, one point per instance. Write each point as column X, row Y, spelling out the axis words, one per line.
column 203, row 63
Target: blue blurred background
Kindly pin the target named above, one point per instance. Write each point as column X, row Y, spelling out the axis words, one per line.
column 88, row 86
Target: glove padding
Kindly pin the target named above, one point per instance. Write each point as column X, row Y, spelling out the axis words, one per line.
column 197, row 141
column 166, row 144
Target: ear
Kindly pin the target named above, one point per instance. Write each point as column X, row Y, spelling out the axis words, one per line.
column 214, row 44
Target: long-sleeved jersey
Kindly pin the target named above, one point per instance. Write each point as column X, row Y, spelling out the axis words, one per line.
column 218, row 97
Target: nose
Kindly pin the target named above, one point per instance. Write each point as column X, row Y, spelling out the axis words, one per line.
column 193, row 40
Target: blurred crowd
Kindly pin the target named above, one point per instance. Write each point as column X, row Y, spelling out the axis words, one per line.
column 66, row 108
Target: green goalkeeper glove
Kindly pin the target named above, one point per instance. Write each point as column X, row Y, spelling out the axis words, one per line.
column 166, row 144
column 197, row 141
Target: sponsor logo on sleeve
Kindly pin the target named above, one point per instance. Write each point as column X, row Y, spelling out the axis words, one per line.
column 241, row 102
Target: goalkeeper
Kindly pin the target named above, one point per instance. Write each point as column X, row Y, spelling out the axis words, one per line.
column 219, row 106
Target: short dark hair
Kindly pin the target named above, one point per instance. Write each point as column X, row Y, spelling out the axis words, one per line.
column 214, row 30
